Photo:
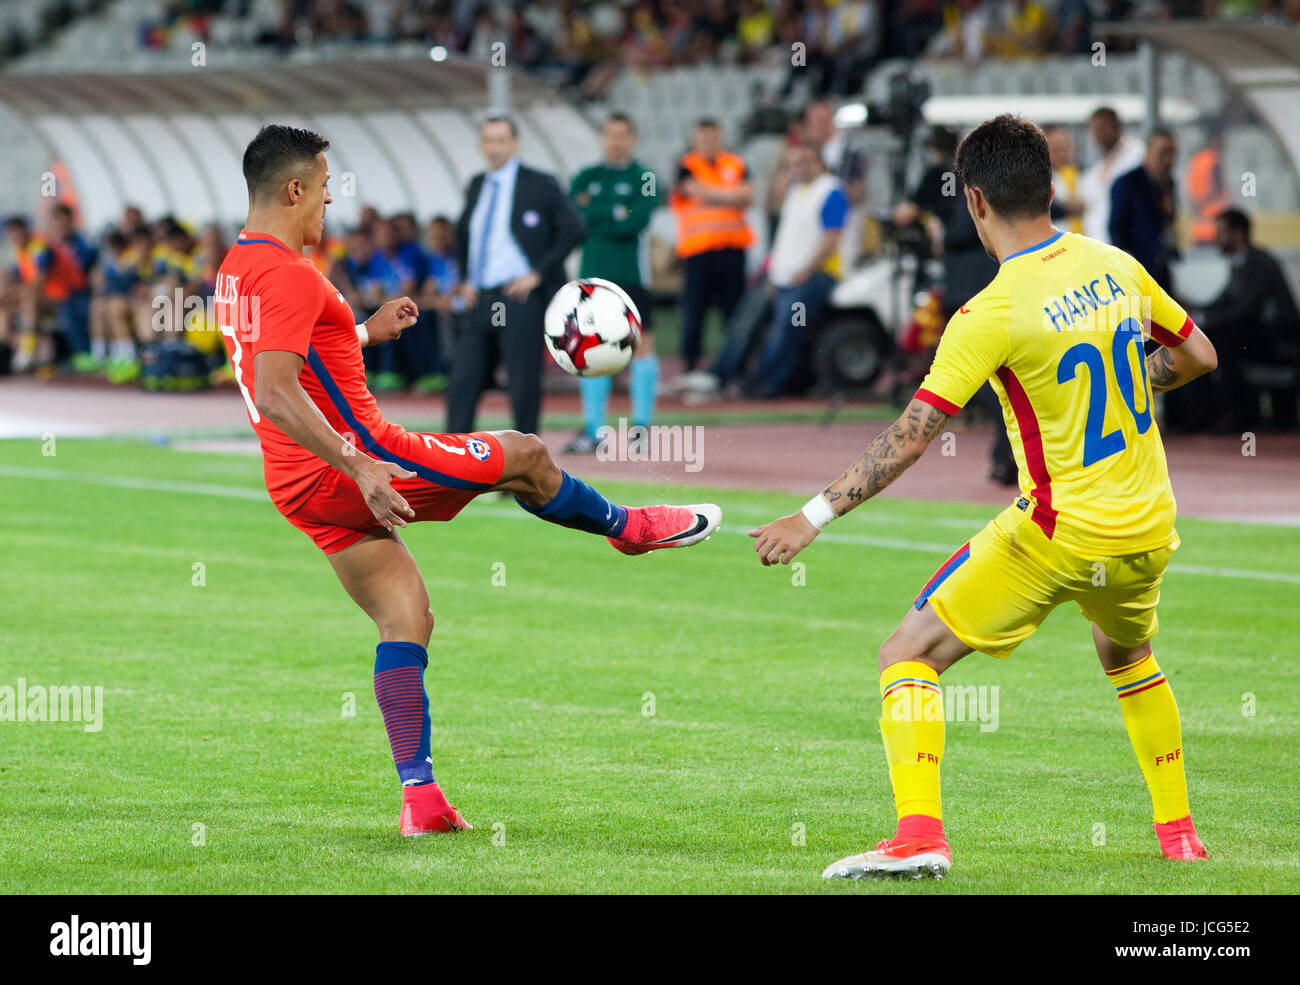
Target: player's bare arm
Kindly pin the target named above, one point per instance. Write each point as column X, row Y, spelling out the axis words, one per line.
column 388, row 323
column 1168, row 369
column 891, row 454
column 281, row 399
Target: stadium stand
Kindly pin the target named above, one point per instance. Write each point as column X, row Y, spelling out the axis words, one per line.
column 148, row 104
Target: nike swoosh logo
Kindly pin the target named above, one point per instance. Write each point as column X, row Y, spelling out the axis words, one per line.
column 701, row 522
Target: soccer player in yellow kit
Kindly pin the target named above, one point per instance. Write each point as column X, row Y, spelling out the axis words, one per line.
column 1060, row 334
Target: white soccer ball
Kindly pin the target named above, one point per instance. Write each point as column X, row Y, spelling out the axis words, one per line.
column 592, row 327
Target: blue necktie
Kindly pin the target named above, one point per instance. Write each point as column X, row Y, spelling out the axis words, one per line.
column 480, row 260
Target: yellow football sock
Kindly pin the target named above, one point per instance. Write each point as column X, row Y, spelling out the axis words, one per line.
column 911, row 724
column 1151, row 717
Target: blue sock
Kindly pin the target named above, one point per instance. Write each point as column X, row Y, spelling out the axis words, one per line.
column 580, row 507
column 595, row 401
column 399, row 689
column 645, row 377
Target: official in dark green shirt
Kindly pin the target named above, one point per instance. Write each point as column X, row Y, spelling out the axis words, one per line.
column 616, row 198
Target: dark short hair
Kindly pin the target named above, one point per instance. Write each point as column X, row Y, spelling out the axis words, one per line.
column 1236, row 220
column 1006, row 159
column 1159, row 133
column 497, row 116
column 943, row 140
column 62, row 208
column 707, row 123
column 623, row 118
column 274, row 153
column 1108, row 112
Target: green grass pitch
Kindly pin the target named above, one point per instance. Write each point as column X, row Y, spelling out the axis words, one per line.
column 683, row 722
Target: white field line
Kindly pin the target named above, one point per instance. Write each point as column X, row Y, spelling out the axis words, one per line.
column 134, row 482
column 830, row 536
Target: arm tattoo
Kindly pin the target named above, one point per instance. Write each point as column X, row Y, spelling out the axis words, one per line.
column 1160, row 370
column 887, row 457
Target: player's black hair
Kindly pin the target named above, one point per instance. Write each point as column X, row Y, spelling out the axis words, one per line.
column 707, row 123
column 17, row 222
column 619, row 117
column 1159, row 133
column 274, row 153
column 497, row 116
column 1006, row 159
column 1236, row 220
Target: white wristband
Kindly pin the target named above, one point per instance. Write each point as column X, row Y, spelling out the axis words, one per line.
column 818, row 512
column 362, row 335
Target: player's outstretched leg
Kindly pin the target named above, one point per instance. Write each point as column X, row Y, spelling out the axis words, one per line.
column 912, row 727
column 545, row 490
column 381, row 576
column 1151, row 718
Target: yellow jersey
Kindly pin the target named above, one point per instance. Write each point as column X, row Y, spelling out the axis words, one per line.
column 1059, row 334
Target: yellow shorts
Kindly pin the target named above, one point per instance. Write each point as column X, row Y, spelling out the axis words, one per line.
column 998, row 588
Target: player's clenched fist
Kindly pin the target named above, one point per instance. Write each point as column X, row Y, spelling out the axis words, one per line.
column 779, row 541
column 375, row 480
column 391, row 319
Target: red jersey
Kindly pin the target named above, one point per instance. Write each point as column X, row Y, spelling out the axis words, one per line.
column 271, row 297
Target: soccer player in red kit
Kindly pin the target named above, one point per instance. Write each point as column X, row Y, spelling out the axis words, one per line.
column 349, row 479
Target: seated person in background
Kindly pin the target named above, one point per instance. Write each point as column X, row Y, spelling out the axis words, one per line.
column 44, row 275
column 201, row 328
column 438, row 300
column 439, row 291
column 74, row 309
column 1254, row 321
column 177, row 273
column 147, row 256
column 413, row 356
column 369, row 278
column 111, row 339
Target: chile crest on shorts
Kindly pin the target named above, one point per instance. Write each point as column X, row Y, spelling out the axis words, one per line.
column 478, row 448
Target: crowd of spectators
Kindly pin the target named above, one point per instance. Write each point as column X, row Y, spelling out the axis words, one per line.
column 110, row 306
column 584, row 45
column 20, row 37
column 66, row 298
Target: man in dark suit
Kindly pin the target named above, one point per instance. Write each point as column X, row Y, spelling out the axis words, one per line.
column 517, row 227
column 1255, row 327
column 1143, row 209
